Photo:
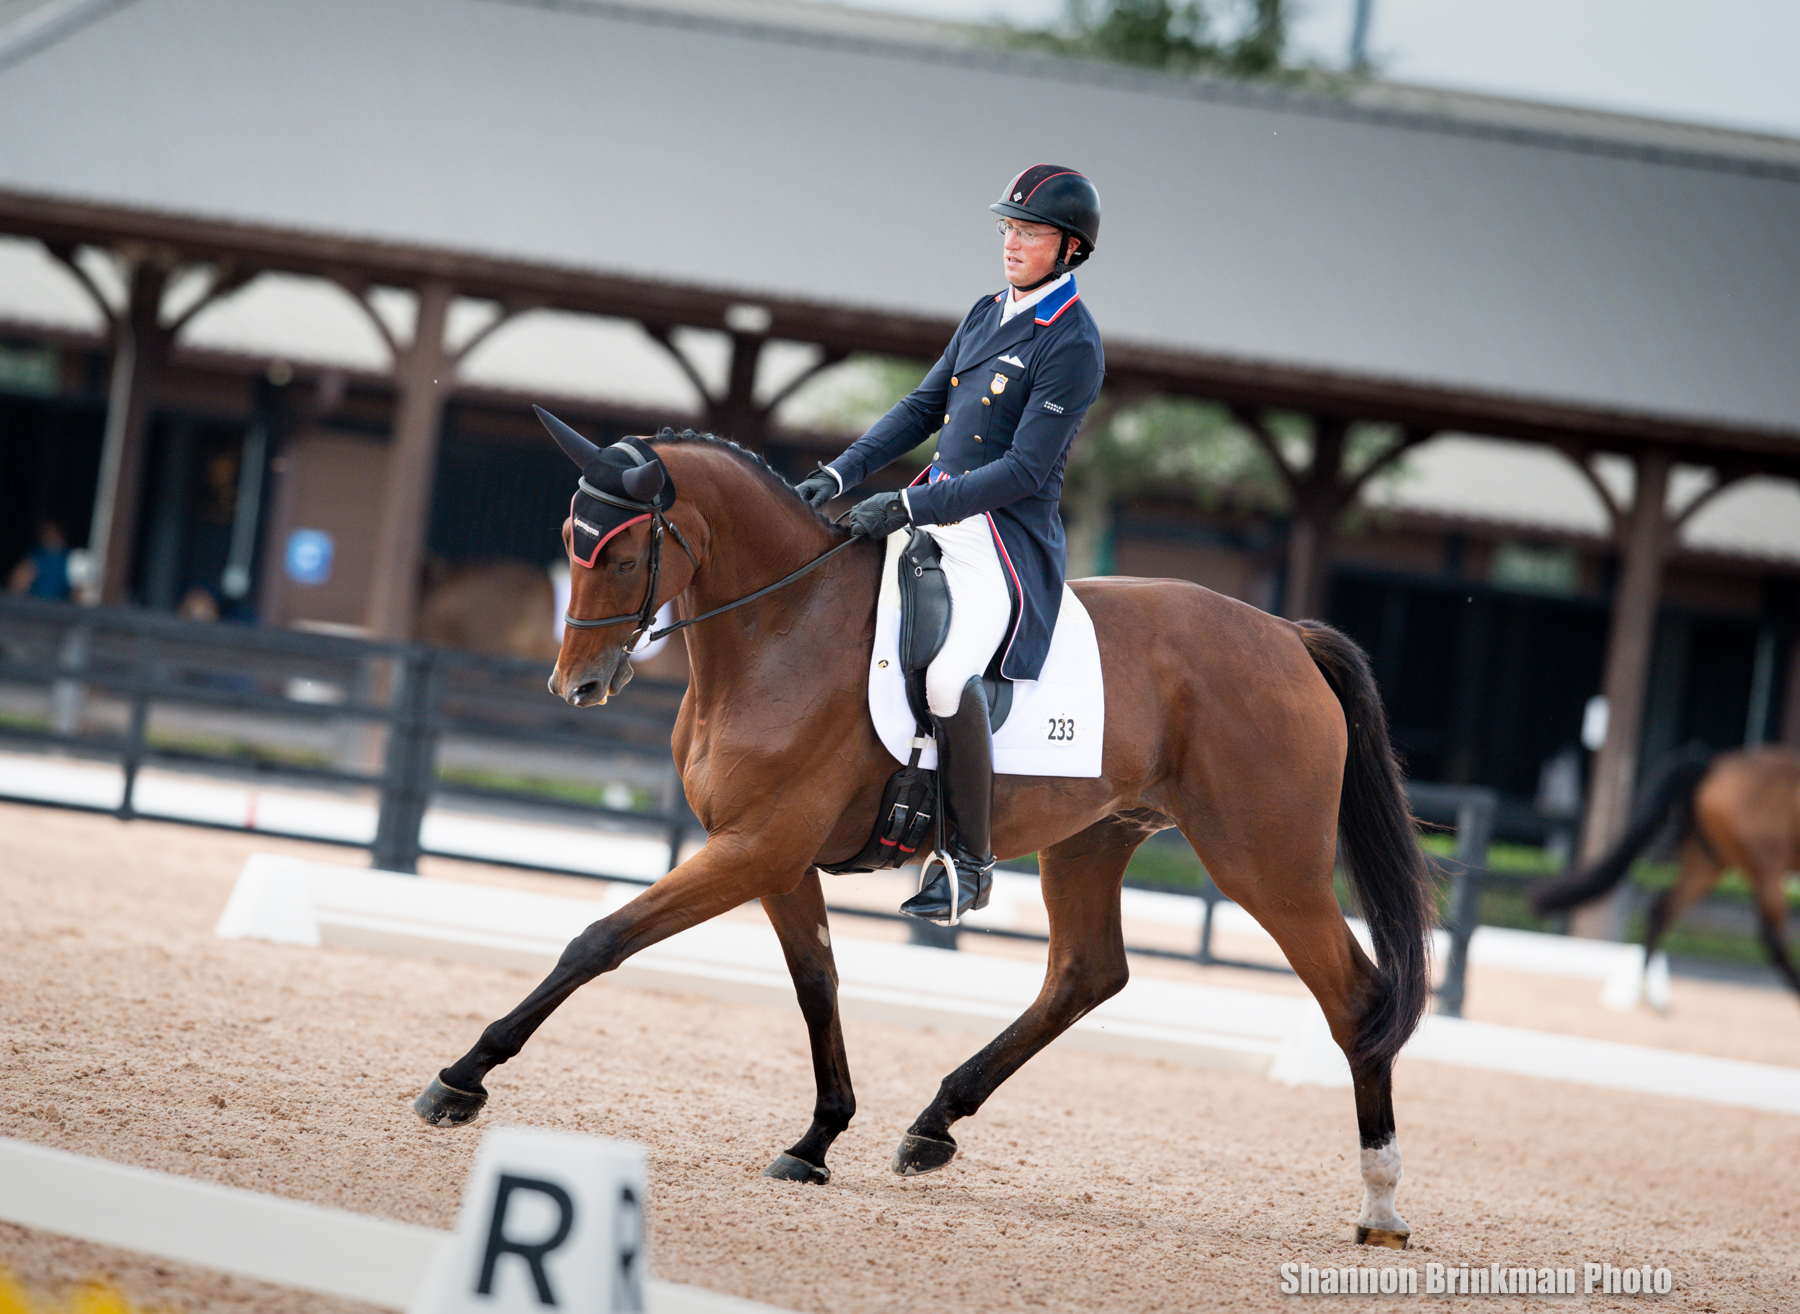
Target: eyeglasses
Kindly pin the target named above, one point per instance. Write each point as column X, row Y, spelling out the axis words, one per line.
column 1029, row 236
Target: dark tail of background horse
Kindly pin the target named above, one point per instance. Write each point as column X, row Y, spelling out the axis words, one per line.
column 1673, row 790
column 1380, row 849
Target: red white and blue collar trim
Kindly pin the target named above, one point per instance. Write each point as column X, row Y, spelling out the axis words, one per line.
column 1051, row 307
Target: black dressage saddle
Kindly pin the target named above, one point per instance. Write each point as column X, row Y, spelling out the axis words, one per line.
column 924, row 623
column 906, row 824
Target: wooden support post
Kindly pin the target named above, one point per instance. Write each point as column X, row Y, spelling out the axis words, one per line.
column 139, row 344
column 736, row 415
column 423, row 377
column 1320, row 493
column 1645, row 538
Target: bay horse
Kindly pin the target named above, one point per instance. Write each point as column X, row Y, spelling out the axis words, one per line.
column 1736, row 811
column 1264, row 740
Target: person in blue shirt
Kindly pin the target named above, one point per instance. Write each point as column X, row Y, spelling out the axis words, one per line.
column 44, row 572
column 1007, row 398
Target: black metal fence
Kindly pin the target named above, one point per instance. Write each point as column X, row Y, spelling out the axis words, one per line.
column 1471, row 811
column 91, row 682
column 138, row 689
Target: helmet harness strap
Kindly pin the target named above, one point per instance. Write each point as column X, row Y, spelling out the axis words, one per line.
column 1058, row 269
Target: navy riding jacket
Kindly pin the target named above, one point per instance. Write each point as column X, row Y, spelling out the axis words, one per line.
column 1009, row 400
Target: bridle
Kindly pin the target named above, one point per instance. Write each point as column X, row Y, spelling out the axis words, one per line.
column 645, row 615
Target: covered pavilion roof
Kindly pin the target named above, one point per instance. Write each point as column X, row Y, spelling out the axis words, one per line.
column 1460, row 262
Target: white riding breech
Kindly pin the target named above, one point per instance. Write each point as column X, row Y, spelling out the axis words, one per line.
column 980, row 609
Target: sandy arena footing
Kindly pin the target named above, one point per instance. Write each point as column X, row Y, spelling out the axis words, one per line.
column 1089, row 1182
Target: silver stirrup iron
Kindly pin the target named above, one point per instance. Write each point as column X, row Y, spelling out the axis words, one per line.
column 944, row 860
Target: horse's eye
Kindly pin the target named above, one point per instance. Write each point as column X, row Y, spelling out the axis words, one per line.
column 626, row 567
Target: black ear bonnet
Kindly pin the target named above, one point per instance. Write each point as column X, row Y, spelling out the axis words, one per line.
column 620, row 486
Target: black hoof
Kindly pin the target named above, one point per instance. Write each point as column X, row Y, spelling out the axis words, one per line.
column 445, row 1106
column 787, row 1168
column 922, row 1154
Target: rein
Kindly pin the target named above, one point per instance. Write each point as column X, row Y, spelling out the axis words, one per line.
column 646, row 614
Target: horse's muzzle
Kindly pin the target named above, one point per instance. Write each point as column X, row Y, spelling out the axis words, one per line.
column 597, row 682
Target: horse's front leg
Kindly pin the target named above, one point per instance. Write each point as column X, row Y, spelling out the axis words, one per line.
column 799, row 919
column 1080, row 879
column 722, row 876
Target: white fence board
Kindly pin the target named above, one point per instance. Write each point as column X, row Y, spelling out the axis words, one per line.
column 269, row 1238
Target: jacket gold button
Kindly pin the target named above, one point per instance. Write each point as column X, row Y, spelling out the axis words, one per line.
column 946, row 417
column 986, row 402
column 952, row 380
column 937, row 456
column 977, row 437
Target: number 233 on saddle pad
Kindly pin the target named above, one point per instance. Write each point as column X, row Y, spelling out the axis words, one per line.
column 1057, row 725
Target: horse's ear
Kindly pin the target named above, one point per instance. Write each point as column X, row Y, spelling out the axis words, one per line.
column 643, row 482
column 575, row 447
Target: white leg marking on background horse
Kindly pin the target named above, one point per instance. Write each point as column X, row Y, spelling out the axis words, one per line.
column 1381, row 1177
column 1624, row 985
column 824, row 935
column 1656, row 982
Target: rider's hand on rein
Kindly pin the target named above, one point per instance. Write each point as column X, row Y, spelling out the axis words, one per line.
column 877, row 517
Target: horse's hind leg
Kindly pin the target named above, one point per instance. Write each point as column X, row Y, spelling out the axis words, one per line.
column 1771, row 908
column 1700, row 871
column 1080, row 879
column 799, row 920
column 1304, row 918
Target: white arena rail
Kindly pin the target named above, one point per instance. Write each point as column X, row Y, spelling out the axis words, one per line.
column 289, row 1243
column 289, row 900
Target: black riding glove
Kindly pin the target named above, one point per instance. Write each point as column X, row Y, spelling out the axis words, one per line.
column 877, row 517
column 817, row 488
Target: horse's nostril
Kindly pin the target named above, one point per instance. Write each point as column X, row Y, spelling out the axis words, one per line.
column 581, row 692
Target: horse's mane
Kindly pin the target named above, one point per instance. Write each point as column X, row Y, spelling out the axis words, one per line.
column 760, row 467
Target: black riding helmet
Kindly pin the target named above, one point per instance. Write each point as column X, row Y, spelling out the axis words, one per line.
column 1051, row 194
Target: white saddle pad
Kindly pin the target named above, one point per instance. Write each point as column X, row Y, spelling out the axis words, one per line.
column 1057, row 725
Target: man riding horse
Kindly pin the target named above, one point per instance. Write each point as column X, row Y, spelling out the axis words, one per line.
column 1011, row 388
column 1263, row 740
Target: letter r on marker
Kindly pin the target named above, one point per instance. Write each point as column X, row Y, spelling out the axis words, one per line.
column 532, row 1252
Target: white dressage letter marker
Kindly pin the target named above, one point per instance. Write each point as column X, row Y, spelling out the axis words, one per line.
column 549, row 1220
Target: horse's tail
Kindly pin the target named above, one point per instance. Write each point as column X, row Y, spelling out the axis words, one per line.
column 1380, row 849
column 1672, row 790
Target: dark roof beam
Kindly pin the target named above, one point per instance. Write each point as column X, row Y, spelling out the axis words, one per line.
column 844, row 330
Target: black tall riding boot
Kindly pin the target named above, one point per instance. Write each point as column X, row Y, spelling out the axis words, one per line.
column 966, row 775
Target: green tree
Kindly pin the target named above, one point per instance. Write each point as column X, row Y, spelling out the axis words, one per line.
column 1135, row 443
column 1243, row 38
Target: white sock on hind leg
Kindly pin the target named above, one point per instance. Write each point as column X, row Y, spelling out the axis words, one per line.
column 1381, row 1178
